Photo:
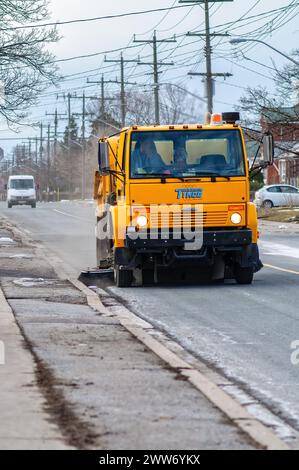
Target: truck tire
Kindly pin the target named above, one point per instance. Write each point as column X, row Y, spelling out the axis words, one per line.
column 243, row 275
column 122, row 277
column 9, row 205
column 33, row 206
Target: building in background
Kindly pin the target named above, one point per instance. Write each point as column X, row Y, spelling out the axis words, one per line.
column 284, row 125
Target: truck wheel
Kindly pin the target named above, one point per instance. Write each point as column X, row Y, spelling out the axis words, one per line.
column 33, row 206
column 244, row 275
column 122, row 277
column 9, row 205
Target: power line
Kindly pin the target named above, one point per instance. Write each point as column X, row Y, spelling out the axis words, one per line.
column 104, row 98
column 178, row 23
column 247, row 68
column 161, row 21
column 208, row 52
column 264, row 15
column 227, row 25
column 96, row 18
column 123, row 83
column 155, row 64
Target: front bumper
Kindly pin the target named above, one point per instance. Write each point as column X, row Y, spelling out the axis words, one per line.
column 22, row 201
column 209, row 238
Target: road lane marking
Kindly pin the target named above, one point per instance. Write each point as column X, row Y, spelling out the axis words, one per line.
column 290, row 271
column 72, row 216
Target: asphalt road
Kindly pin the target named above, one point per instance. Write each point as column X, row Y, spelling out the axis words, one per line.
column 68, row 229
column 246, row 331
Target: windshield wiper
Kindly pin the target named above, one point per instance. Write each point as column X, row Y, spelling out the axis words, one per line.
column 164, row 176
column 213, row 174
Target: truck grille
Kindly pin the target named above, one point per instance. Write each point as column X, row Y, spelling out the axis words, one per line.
column 180, row 219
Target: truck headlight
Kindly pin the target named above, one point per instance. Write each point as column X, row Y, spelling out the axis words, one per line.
column 141, row 221
column 236, row 218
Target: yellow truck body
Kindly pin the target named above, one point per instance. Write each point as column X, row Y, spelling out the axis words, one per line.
column 154, row 183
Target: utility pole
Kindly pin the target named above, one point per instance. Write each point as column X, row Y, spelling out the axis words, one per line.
column 123, row 84
column 83, row 147
column 83, row 114
column 40, row 166
column 69, row 116
column 69, row 146
column 48, row 160
column 29, row 164
column 41, row 144
column 36, row 152
column 208, row 51
column 103, row 82
column 29, row 148
column 155, row 64
column 56, row 116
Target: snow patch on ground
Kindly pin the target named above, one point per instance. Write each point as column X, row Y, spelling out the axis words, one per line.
column 6, row 241
column 33, row 282
column 278, row 249
column 20, row 256
column 260, row 412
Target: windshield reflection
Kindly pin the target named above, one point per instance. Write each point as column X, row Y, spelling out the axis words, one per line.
column 186, row 154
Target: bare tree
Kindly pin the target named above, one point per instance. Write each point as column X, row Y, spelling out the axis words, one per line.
column 177, row 105
column 140, row 107
column 279, row 112
column 26, row 67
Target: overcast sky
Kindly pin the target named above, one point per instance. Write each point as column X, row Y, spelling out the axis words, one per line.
column 187, row 53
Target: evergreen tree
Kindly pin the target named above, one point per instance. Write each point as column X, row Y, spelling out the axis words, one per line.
column 74, row 133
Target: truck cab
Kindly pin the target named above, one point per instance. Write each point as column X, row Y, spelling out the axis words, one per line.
column 177, row 197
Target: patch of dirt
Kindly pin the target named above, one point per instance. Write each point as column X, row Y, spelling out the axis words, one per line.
column 76, row 432
column 279, row 215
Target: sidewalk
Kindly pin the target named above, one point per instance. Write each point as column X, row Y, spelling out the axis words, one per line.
column 24, row 423
column 98, row 386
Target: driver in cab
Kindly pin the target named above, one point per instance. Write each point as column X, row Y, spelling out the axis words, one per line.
column 146, row 159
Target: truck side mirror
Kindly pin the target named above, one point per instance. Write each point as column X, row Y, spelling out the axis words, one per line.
column 103, row 158
column 268, row 149
column 5, row 187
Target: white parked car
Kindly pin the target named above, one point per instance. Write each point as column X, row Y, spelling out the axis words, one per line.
column 277, row 195
column 21, row 191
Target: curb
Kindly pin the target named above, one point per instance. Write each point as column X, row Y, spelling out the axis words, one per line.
column 262, row 435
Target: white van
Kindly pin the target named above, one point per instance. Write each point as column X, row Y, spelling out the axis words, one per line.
column 21, row 191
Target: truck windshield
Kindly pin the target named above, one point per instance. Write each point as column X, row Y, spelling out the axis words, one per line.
column 186, row 153
column 21, row 184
